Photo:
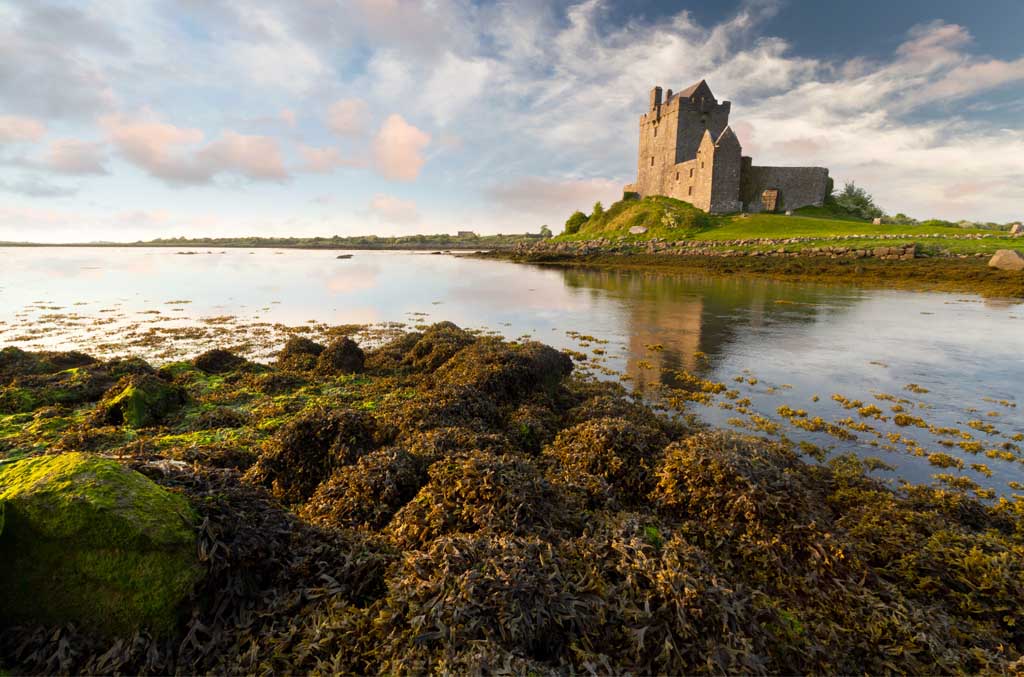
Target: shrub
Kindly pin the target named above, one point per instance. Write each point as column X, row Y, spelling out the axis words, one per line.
column 572, row 226
column 857, row 201
column 598, row 210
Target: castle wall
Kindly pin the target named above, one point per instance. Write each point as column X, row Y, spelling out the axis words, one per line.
column 797, row 186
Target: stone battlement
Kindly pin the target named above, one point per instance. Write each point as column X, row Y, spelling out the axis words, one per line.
column 689, row 152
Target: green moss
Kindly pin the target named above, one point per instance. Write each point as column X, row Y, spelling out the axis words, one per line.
column 88, row 541
column 140, row 401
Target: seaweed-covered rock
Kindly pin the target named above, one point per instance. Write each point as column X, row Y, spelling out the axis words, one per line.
column 669, row 611
column 531, row 426
column 17, row 362
column 481, row 492
column 220, row 417
column 299, row 354
column 388, row 357
column 343, row 356
column 505, row 372
column 520, row 593
column 720, row 478
column 218, row 361
column 438, row 344
column 445, row 407
column 88, row 541
column 139, row 401
column 616, row 451
column 369, row 492
column 307, row 450
column 437, row 443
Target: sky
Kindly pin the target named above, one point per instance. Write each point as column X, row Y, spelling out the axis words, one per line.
column 131, row 119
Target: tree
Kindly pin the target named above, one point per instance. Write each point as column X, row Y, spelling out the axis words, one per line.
column 545, row 232
column 577, row 219
column 598, row 210
column 857, row 201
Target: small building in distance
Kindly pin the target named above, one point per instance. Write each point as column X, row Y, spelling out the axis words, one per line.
column 466, row 233
column 689, row 152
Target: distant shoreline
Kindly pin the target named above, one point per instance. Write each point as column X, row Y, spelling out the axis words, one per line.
column 332, row 247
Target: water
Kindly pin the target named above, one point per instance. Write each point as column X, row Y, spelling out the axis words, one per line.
column 772, row 342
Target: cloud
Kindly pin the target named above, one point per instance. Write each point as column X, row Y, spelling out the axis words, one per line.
column 324, row 160
column 174, row 154
column 48, row 64
column 15, row 128
column 556, row 197
column 31, row 186
column 393, row 209
column 398, row 149
column 287, row 116
column 72, row 156
column 347, row 117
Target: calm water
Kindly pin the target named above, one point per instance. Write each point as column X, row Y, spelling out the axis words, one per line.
column 787, row 342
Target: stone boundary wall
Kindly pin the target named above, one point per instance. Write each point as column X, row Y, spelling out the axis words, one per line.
column 797, row 186
column 844, row 247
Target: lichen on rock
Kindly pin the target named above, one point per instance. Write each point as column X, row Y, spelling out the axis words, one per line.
column 138, row 401
column 89, row 541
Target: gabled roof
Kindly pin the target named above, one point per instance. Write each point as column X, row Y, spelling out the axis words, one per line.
column 689, row 91
column 727, row 135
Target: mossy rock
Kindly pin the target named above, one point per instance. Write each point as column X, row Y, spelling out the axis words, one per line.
column 88, row 541
column 139, row 401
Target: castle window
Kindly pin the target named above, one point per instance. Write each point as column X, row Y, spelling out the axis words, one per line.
column 652, row 160
column 690, row 191
column 702, row 164
column 691, row 172
column 655, row 130
column 677, row 176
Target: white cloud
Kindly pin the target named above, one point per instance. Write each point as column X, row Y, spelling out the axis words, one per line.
column 347, row 117
column 324, row 160
column 552, row 197
column 398, row 149
column 174, row 154
column 394, row 210
column 73, row 156
column 14, row 128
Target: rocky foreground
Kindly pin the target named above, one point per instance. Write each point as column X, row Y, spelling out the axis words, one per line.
column 459, row 504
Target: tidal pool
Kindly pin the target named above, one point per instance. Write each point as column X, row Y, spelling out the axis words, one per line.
column 950, row 366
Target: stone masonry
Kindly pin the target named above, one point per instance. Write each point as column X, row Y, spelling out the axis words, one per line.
column 689, row 152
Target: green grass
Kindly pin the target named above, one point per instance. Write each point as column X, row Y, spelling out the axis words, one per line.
column 670, row 219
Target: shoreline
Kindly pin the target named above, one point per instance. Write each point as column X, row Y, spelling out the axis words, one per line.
column 936, row 274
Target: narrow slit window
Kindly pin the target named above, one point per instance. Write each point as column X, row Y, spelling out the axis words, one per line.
column 655, row 130
column 677, row 176
column 690, row 191
column 691, row 172
column 652, row 160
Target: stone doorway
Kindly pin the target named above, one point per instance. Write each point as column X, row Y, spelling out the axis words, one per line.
column 770, row 200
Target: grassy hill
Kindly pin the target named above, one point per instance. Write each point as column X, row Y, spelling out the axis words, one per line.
column 671, row 219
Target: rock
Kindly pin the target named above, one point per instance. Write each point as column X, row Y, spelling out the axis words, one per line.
column 789, row 212
column 343, row 256
column 1007, row 259
column 1017, row 229
column 877, row 221
column 88, row 541
column 637, row 230
column 299, row 354
column 341, row 357
column 139, row 400
column 217, row 361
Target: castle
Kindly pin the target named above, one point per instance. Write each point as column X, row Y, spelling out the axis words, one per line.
column 689, row 152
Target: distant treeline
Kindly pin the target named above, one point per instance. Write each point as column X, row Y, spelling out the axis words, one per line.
column 439, row 241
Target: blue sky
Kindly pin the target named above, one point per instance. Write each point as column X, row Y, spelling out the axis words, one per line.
column 127, row 119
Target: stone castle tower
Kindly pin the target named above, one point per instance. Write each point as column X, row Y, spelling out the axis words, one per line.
column 688, row 151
